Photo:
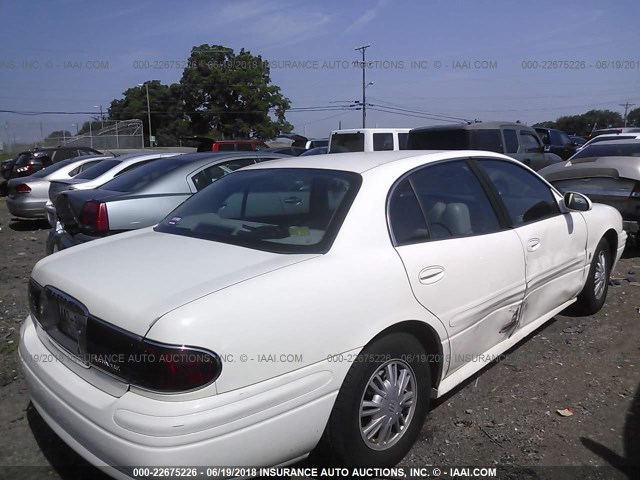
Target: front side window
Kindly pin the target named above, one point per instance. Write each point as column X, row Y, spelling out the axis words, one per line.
column 529, row 141
column 382, row 141
column 453, row 201
column 525, row 196
column 283, row 210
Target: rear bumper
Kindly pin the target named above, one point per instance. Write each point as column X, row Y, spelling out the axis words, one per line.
column 60, row 239
column 25, row 207
column 270, row 423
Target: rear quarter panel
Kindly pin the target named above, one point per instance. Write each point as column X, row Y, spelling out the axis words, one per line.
column 139, row 212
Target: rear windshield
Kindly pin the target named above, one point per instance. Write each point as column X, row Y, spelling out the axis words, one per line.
column 97, row 170
column 607, row 139
column 140, row 178
column 22, row 159
column 283, row 210
column 347, row 142
column 616, row 150
column 54, row 168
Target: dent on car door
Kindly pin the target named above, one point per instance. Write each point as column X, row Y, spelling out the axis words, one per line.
column 463, row 266
column 554, row 243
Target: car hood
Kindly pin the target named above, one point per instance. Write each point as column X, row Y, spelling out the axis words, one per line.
column 612, row 167
column 132, row 279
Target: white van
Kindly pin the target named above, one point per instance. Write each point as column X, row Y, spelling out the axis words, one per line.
column 368, row 139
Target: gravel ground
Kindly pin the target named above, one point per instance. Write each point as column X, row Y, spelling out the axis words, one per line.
column 505, row 416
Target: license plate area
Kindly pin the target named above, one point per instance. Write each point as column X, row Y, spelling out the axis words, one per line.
column 65, row 320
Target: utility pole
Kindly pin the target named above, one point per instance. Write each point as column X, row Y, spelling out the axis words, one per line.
column 626, row 108
column 363, row 49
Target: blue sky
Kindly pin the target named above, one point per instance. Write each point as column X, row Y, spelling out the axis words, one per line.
column 488, row 40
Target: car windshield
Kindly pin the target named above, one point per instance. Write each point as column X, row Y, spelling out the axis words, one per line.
column 613, row 150
column 283, row 210
column 143, row 176
column 97, row 170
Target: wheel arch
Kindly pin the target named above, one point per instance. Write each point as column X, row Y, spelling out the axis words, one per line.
column 428, row 338
column 612, row 240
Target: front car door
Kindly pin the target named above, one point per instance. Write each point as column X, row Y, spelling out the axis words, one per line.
column 464, row 265
column 554, row 243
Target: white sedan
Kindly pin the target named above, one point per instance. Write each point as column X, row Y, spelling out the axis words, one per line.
column 303, row 304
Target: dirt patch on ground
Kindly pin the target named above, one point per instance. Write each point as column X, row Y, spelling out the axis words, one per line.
column 506, row 416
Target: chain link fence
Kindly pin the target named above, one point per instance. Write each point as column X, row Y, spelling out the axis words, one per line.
column 116, row 134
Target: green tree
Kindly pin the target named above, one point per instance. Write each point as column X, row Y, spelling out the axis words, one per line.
column 231, row 96
column 583, row 124
column 168, row 121
column 633, row 118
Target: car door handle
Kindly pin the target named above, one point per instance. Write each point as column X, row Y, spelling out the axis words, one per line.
column 430, row 275
column 533, row 244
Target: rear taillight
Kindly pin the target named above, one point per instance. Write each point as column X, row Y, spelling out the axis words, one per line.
column 24, row 169
column 147, row 364
column 23, row 188
column 94, row 216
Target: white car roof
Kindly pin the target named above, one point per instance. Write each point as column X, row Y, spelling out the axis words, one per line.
column 360, row 162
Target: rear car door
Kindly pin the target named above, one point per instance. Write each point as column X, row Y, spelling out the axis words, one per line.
column 464, row 265
column 554, row 244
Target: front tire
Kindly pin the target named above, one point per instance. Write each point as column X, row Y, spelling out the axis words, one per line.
column 381, row 405
column 594, row 293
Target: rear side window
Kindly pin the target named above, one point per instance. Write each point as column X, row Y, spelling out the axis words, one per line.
column 347, row 142
column 405, row 216
column 382, row 141
column 402, row 141
column 225, row 147
column 133, row 167
column 525, row 196
column 143, row 176
column 453, row 200
column 488, row 140
column 83, row 167
column 510, row 140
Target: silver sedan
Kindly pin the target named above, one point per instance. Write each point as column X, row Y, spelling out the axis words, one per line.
column 27, row 196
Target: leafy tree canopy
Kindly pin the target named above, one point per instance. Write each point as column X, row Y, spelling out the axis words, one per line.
column 583, row 124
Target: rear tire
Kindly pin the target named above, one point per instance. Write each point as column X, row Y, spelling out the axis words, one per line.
column 381, row 406
column 594, row 293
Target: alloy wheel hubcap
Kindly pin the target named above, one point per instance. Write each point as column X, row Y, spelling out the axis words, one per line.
column 388, row 405
column 600, row 276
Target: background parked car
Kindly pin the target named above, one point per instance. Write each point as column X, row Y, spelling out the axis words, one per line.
column 613, row 130
column 140, row 198
column 206, row 144
column 27, row 196
column 98, row 175
column 368, row 139
column 316, row 142
column 605, row 137
column 291, row 151
column 315, row 151
column 607, row 172
column 514, row 139
column 29, row 162
column 556, row 141
column 577, row 140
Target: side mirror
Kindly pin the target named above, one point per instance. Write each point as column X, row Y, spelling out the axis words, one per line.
column 577, row 201
column 546, row 148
